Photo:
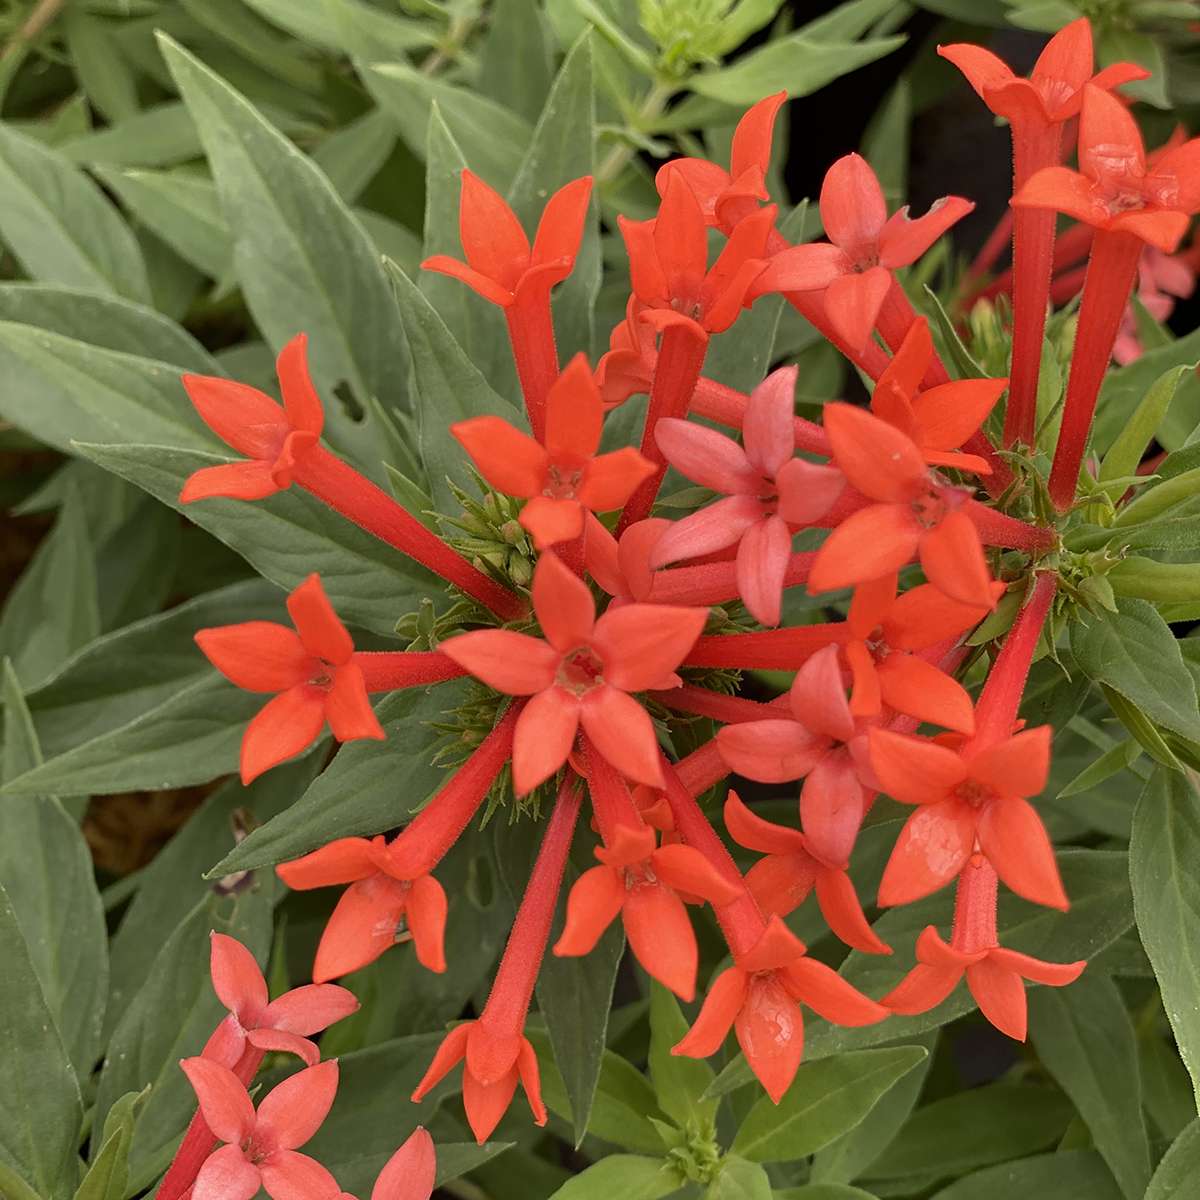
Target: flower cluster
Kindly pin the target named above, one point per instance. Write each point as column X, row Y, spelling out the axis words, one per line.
column 911, row 508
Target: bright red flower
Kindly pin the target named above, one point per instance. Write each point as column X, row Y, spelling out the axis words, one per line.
column 501, row 264
column 261, row 1147
column 760, row 998
column 995, row 975
column 914, row 514
column 821, row 743
column 668, row 264
column 766, row 490
column 273, row 438
column 886, row 630
column 726, row 197
column 1115, row 190
column 789, row 871
column 622, row 566
column 1053, row 93
column 942, row 418
column 973, row 795
column 565, row 478
column 410, row 1173
column 313, row 670
column 865, row 247
column 384, row 904
column 282, row 1025
column 581, row 674
column 627, row 366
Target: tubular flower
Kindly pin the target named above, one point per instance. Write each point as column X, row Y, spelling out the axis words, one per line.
column 726, row 197
column 995, row 976
column 760, row 998
column 942, row 418
column 885, row 630
column 766, row 490
column 283, row 1024
column 821, row 743
column 313, row 669
column 581, row 674
column 643, row 883
column 913, row 513
column 782, row 880
column 496, row 1054
column 865, row 247
column 565, row 478
column 964, row 797
column 261, row 1147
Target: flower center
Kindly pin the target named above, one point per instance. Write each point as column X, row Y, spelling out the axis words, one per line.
column 562, row 483
column 689, row 308
column 322, row 675
column 580, row 670
column 974, row 793
column 929, row 508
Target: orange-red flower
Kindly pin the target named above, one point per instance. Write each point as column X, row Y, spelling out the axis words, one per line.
column 581, row 674
column 565, row 478
column 313, row 670
column 963, row 797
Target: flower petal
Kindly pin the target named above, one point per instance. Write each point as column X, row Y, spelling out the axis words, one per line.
column 259, row 656
column 770, row 1031
column 919, row 689
column 241, row 416
column 492, row 237
column 252, row 480
column 680, row 240
column 481, row 285
column 925, row 615
column 300, row 400
column 922, row 989
column 852, row 205
column 952, row 559
column 771, row 751
column 610, row 479
column 320, row 630
column 1110, row 142
column 827, row 993
column 843, row 913
column 224, row 1101
column 752, row 138
column 852, row 303
column 236, row 978
column 592, row 906
column 552, row 521
column 687, row 871
column 832, row 807
column 946, row 416
column 449, row 1054
column 573, row 414
column 1013, row 838
column 511, row 461
column 914, row 770
column 362, row 926
column 932, row 847
column 342, row 861
column 714, row 527
column 1000, row 995
column 513, row 663
column 348, row 708
column 818, row 696
column 621, row 730
column 283, row 727
column 661, row 937
column 807, row 491
column 486, row 1103
column 877, row 459
column 810, row 267
column 1037, row 971
column 294, row 1109
column 1018, row 766
column 643, row 644
column 904, row 239
column 1065, row 191
column 226, row 1175
column 311, row 1008
column 762, row 561
column 543, row 737
column 560, row 229
column 872, row 542
column 707, row 457
column 411, row 1172
column 425, row 910
column 748, row 829
column 287, row 1175
column 726, row 994
column 983, row 70
column 563, row 603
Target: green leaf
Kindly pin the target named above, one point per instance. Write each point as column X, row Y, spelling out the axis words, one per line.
column 1112, row 762
column 1085, row 1039
column 1163, row 851
column 170, row 1018
column 352, row 156
column 60, row 226
column 53, row 610
column 822, row 1191
column 828, row 1098
column 974, row 1129
column 628, row 1176
column 1127, row 450
column 286, row 537
column 1134, row 652
column 795, row 64
column 1176, row 1176
column 493, row 138
column 739, row 1180
column 1131, row 45
column 679, row 1083
column 105, row 321
column 108, row 1175
column 346, row 25
column 886, row 142
column 103, row 74
column 516, row 64
column 356, row 793
column 40, row 1108
column 1065, row 1175
column 304, row 263
column 46, row 871
column 451, row 388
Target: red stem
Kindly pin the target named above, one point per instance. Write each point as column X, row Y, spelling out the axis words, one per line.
column 356, row 498
column 999, row 529
column 701, row 702
column 714, row 583
column 676, row 372
column 611, row 802
column 702, row 768
column 995, row 245
column 768, row 649
column 512, row 990
column 531, row 332
column 430, row 834
column 1111, row 272
column 727, row 406
column 390, row 670
column 1033, row 253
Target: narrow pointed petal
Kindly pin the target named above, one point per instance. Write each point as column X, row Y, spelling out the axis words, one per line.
column 901, row 379
column 922, row 989
column 827, row 993
column 1018, row 766
column 1110, row 142
column 1013, row 838
column 481, row 285
column 309, row 1009
column 492, row 237
column 776, row 946
column 282, row 728
column 252, row 480
column 852, row 205
column 543, row 737
column 748, row 829
column 852, row 304
column 592, row 906
column 531, row 1080
column 223, row 1099
column 875, row 541
column 914, row 770
column 878, row 460
column 322, row 633
column 752, row 138
column 1037, row 971
column 932, row 847
column 560, row 230
column 573, row 414
column 818, row 696
column 300, row 400
column 348, row 708
column 621, row 730
column 293, row 1110
column 866, row 696
column 714, row 527
column 1066, row 58
column 770, row 1031
column 762, row 561
column 236, row 977
column 904, row 239
column 983, row 70
column 1000, row 995
column 241, row 416
column 741, row 261
column 425, row 910
column 342, row 861
column 707, row 457
column 563, row 603
column 226, row 1175
column 871, row 604
column 362, row 926
column 726, row 994
column 844, row 915
column 287, row 1175
column 511, row 461
column 513, row 663
column 635, row 551
column 947, row 415
column 1064, row 191
column 807, row 491
column 771, row 751
column 411, row 1172
column 952, row 559
column 913, row 686
column 680, row 240
column 610, row 479
column 258, row 656
column 601, row 557
column 832, row 807
column 661, row 937
column 643, row 644
column 811, row 267
column 925, row 615
column 780, row 883
column 449, row 1054
column 486, row 1103
column 552, row 521
column 646, row 274
column 687, row 870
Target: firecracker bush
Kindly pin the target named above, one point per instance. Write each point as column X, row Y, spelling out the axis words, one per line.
column 661, row 690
